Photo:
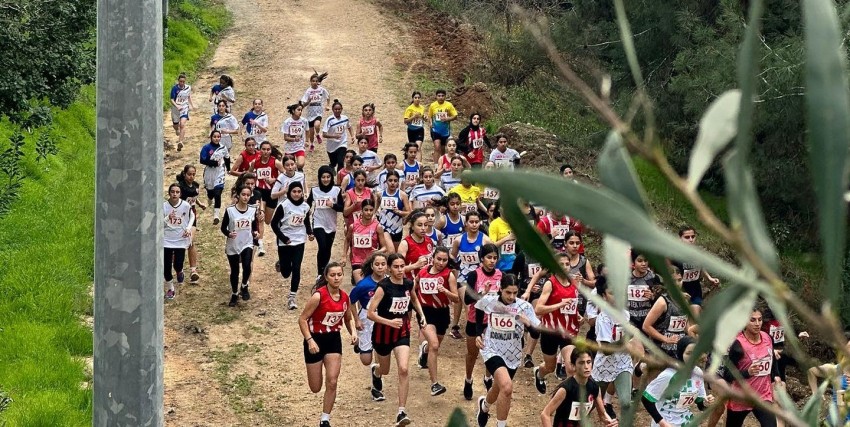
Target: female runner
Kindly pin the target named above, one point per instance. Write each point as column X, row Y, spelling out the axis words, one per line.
column 390, row 164
column 436, row 287
column 414, row 118
column 427, row 192
column 229, row 126
column 394, row 207
column 417, row 248
column 471, row 141
column 567, row 403
column 453, row 179
column 292, row 226
column 240, row 227
column 431, row 213
column 256, row 122
column 346, row 182
column 444, row 164
column 189, row 191
column 374, row 270
column 294, row 130
column 267, row 168
column 362, row 238
column 451, row 224
column 410, row 167
column 226, row 92
column 355, row 196
column 314, row 98
column 673, row 409
column 212, row 156
column 347, row 167
column 390, row 310
column 501, row 235
column 337, row 132
column 290, row 174
column 181, row 103
column 326, row 200
column 371, row 164
column 220, row 110
column 370, row 128
column 465, row 251
column 666, row 323
column 320, row 322
column 612, row 371
column 484, row 280
column 176, row 236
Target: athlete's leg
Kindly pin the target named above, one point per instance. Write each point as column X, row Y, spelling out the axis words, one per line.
column 430, row 333
column 299, row 162
column 234, row 260
column 471, row 356
column 314, row 376
column 505, row 386
column 247, row 256
column 168, row 260
column 402, row 355
column 332, row 364
column 566, row 351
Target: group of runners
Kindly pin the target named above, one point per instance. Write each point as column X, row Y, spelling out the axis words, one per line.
column 426, row 246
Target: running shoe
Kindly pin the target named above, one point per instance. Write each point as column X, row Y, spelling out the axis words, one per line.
column 194, row 277
column 423, row 356
column 245, row 294
column 456, row 335
column 377, row 382
column 560, row 371
column 180, row 277
column 179, row 146
column 402, row 419
column 216, row 221
column 325, row 424
column 312, row 147
column 318, row 139
column 377, row 395
column 539, row 383
column 234, row 298
column 261, row 251
column 528, row 362
column 609, row 409
column 277, row 266
column 437, row 389
column 488, row 383
column 480, row 414
column 467, row 390
column 291, row 303
column 169, row 294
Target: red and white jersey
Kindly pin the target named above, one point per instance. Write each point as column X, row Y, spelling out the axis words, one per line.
column 247, row 159
column 264, row 170
column 567, row 316
column 416, row 250
column 330, row 313
column 427, row 292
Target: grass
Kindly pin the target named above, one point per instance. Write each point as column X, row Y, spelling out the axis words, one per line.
column 47, row 249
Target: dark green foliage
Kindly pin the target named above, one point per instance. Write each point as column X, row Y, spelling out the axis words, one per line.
column 11, row 172
column 48, row 53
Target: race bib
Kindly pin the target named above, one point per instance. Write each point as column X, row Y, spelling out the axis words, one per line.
column 617, row 333
column 399, row 305
column 339, row 129
column 503, row 163
column 450, row 239
column 264, row 173
column 467, row 208
column 442, row 116
column 636, row 292
column 468, row 258
column 533, row 269
column 357, row 215
column 576, row 411
column 389, row 203
column 560, row 231
column 570, row 308
column 491, row 193
column 509, row 247
column 362, row 241
column 501, row 322
column 763, row 365
column 296, row 220
column 316, row 97
column 296, row 129
column 429, row 286
column 243, row 224
column 477, row 143
column 411, row 177
column 678, row 323
column 686, row 399
column 324, row 203
column 367, row 130
column 175, row 220
column 333, row 318
column 690, row 275
column 777, row 333
column 416, row 122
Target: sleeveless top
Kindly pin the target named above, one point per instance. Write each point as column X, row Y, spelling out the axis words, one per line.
column 364, row 240
column 427, row 292
column 672, row 323
column 390, row 220
column 356, row 200
column 369, row 129
column 467, row 254
column 567, row 316
column 240, row 222
column 329, row 314
column 452, row 230
column 416, row 250
column 247, row 159
column 410, row 173
column 484, row 283
column 265, row 170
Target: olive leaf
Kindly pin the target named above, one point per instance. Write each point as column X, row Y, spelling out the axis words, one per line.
column 717, row 128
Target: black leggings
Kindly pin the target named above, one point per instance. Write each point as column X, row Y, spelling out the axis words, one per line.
column 736, row 418
column 290, row 258
column 337, row 158
column 325, row 241
column 178, row 256
column 215, row 196
column 245, row 259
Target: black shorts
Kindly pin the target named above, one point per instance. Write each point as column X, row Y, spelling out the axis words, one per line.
column 496, row 362
column 414, row 135
column 329, row 343
column 443, row 138
column 266, row 194
column 471, row 329
column 313, row 122
column 396, row 237
column 439, row 317
column 386, row 349
column 534, row 333
column 550, row 344
column 694, row 289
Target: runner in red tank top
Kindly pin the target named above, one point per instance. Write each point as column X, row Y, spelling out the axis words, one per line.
column 417, row 248
column 354, row 196
column 320, row 323
column 436, row 287
column 558, row 310
column 243, row 162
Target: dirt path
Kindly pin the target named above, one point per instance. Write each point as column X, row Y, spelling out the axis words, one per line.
column 244, row 366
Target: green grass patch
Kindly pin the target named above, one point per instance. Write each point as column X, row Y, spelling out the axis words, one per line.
column 194, row 27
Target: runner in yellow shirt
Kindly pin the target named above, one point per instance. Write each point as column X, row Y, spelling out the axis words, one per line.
column 441, row 113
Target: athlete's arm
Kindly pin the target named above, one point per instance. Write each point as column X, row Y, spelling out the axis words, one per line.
column 384, row 240
column 372, row 311
column 402, row 250
column 590, row 281
column 349, row 205
column 309, row 308
column 276, row 218
column 225, row 224
column 349, row 319
column 278, row 190
column 654, row 314
column 236, row 165
column 600, row 410
column 827, row 370
column 552, row 406
column 451, row 290
column 418, row 307
column 346, row 245
column 339, row 204
column 455, row 247
column 380, row 130
column 406, row 202
column 542, row 308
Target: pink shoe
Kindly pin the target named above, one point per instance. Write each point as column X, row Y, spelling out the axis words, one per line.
column 318, row 139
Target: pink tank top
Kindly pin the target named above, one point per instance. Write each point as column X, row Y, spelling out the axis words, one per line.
column 369, row 129
column 760, row 354
column 356, row 200
column 364, row 241
column 490, row 284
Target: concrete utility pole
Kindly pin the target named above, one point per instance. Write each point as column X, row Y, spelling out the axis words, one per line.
column 128, row 206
